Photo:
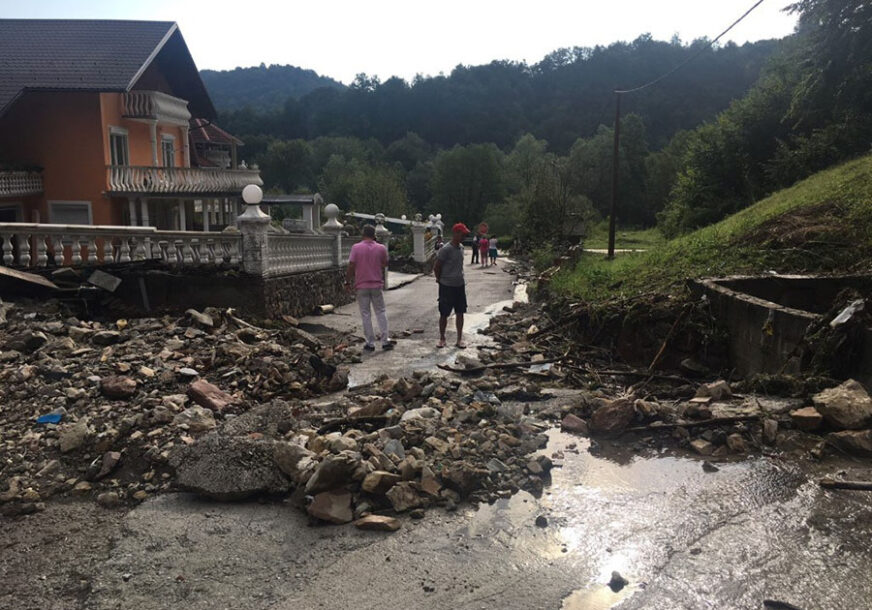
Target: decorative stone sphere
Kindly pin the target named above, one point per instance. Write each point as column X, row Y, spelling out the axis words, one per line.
column 331, row 210
column 252, row 194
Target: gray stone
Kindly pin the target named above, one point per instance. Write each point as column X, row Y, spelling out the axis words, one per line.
column 770, row 431
column 206, row 394
column 420, row 413
column 334, row 471
column 394, row 447
column 297, row 462
column 108, row 499
column 104, row 280
column 200, row 318
column 702, row 446
column 196, row 418
column 846, row 407
column 854, row 442
column 75, row 436
column 229, row 468
column 106, row 337
column 108, row 463
column 403, row 497
column 26, row 342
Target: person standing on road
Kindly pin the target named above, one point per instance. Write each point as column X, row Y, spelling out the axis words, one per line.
column 448, row 270
column 492, row 249
column 475, row 241
column 365, row 274
column 483, row 245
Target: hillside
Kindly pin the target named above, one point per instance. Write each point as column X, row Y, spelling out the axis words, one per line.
column 565, row 96
column 263, row 88
column 822, row 224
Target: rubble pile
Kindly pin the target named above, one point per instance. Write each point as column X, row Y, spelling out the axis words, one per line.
column 395, row 445
column 95, row 408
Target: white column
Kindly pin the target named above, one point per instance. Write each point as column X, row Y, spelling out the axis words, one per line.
column 186, row 145
column 131, row 207
column 309, row 218
column 207, row 213
column 152, row 127
column 143, row 209
column 182, row 216
column 418, row 248
column 222, row 210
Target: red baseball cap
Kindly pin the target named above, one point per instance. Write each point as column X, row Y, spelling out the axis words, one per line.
column 460, row 228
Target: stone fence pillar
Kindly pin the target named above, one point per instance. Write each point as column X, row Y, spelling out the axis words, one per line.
column 418, row 248
column 334, row 227
column 254, row 226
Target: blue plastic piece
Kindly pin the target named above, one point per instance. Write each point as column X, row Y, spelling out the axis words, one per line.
column 50, row 418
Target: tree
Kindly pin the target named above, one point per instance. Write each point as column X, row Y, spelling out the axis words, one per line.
column 465, row 180
column 287, row 165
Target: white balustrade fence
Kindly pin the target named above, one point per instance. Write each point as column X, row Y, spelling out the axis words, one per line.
column 430, row 248
column 46, row 245
column 297, row 253
column 20, row 183
column 171, row 180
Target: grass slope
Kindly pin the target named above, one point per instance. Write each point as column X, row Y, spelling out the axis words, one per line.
column 822, row 224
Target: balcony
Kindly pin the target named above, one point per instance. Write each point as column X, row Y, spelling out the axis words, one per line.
column 20, row 183
column 155, row 106
column 170, row 181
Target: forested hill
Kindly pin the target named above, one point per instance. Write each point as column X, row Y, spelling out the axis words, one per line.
column 565, row 96
column 263, row 88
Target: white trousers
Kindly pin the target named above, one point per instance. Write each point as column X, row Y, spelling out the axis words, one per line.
column 369, row 299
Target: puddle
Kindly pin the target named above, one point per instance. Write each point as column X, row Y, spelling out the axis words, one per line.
column 595, row 598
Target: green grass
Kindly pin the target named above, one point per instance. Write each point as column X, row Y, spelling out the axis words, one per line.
column 822, row 224
column 625, row 239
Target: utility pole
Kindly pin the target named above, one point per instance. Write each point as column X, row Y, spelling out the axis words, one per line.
column 615, row 173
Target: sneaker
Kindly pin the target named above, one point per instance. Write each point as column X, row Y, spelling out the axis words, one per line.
column 388, row 346
column 369, row 348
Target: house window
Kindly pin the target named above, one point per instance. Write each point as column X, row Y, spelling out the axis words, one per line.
column 10, row 212
column 168, row 151
column 118, row 147
column 70, row 212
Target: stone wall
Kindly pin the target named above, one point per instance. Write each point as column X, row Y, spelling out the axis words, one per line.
column 165, row 290
column 300, row 293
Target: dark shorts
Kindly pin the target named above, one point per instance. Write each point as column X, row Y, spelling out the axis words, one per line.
column 451, row 298
column 493, row 252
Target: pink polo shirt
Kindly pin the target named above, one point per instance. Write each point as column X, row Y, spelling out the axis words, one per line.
column 369, row 258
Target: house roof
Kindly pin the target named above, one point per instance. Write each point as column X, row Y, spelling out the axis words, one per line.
column 203, row 130
column 95, row 55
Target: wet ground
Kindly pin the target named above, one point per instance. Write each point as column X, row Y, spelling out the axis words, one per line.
column 757, row 529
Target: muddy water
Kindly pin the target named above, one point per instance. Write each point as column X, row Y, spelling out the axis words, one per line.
column 756, row 529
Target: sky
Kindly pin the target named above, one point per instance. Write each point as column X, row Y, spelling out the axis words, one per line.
column 341, row 38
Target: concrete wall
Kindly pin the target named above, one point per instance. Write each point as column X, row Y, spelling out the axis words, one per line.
column 807, row 293
column 763, row 336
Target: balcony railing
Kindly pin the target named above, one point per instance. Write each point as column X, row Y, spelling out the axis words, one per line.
column 155, row 105
column 18, row 183
column 180, row 180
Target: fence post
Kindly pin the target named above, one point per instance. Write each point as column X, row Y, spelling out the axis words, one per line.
column 334, row 227
column 418, row 251
column 254, row 226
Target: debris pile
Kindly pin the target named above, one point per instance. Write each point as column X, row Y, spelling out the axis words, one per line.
column 395, row 445
column 95, row 408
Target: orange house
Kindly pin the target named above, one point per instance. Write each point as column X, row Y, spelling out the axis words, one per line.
column 109, row 123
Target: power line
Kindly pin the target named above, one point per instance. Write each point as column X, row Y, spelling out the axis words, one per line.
column 692, row 57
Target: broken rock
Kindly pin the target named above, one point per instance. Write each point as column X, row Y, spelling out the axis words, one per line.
column 332, row 506
column 574, row 424
column 854, row 442
column 210, row 396
column 333, row 471
column 613, row 418
column 379, row 482
column 846, row 407
column 806, row 419
column 118, row 387
column 378, row 523
column 196, row 418
column 403, row 497
column 75, row 436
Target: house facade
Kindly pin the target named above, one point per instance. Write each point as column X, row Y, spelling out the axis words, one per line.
column 109, row 123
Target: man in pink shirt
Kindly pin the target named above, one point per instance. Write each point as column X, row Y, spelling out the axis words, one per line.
column 366, row 265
